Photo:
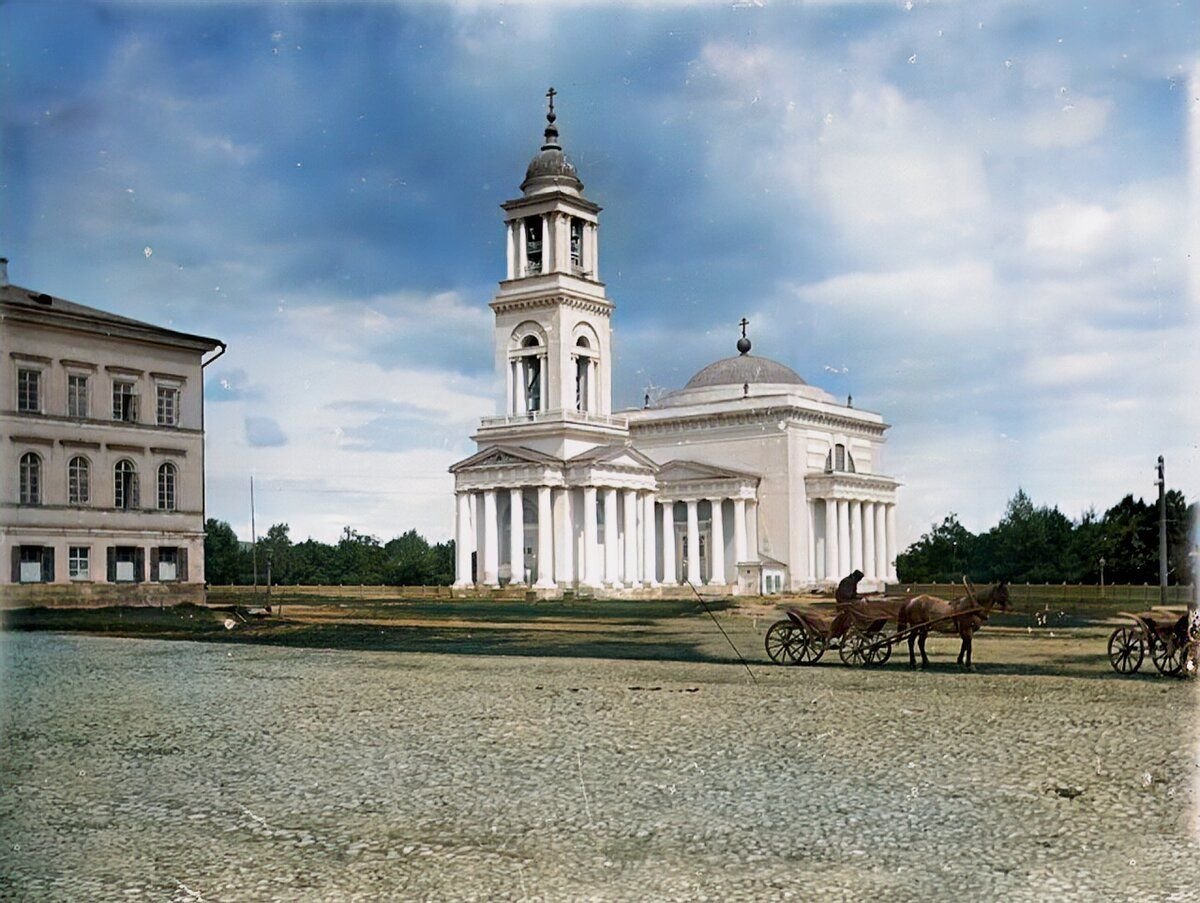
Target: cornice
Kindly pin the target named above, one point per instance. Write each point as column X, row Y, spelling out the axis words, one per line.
column 537, row 302
column 792, row 413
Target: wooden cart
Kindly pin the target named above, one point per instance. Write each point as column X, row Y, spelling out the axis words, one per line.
column 1161, row 632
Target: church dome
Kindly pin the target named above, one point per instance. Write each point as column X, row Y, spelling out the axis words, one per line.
column 743, row 369
column 549, row 169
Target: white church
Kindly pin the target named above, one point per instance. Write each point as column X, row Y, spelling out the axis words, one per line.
column 748, row 480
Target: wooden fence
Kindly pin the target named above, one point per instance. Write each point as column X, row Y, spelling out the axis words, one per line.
column 1142, row 596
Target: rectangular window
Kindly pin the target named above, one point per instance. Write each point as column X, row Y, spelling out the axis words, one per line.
column 168, row 564
column 124, row 401
column 168, row 406
column 77, row 395
column 79, row 563
column 533, row 245
column 29, row 391
column 576, row 243
column 126, row 564
column 31, row 564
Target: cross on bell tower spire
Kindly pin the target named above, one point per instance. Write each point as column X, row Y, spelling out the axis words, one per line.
column 551, row 128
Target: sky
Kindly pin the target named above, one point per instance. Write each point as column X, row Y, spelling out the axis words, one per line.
column 980, row 219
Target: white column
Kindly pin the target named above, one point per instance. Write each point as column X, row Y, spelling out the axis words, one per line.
column 856, row 536
column 564, row 553
column 547, row 244
column 881, row 559
column 843, row 526
column 831, row 540
column 520, row 399
column 564, row 243
column 649, row 546
column 612, row 556
column 591, row 575
column 812, row 540
column 632, row 576
column 752, row 528
column 739, row 530
column 490, row 565
column 516, row 537
column 717, row 548
column 670, row 575
column 522, row 268
column 868, row 516
column 693, row 543
column 462, row 543
column 591, row 261
column 891, row 543
column 545, row 539
column 510, row 250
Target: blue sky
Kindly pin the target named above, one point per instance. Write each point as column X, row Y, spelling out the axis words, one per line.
column 975, row 217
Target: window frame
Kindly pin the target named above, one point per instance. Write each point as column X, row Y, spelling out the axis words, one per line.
column 29, row 489
column 23, row 402
column 74, row 381
column 122, row 488
column 120, row 412
column 166, row 390
column 168, row 486
column 79, row 491
column 74, row 572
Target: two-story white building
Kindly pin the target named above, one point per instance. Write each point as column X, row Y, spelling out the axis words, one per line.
column 747, row 480
column 101, row 455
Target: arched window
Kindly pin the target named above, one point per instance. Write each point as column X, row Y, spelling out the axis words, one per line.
column 125, row 484
column 79, row 484
column 839, row 459
column 31, row 479
column 166, row 487
column 583, row 369
column 533, row 375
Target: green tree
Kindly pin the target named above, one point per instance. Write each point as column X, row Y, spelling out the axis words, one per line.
column 942, row 555
column 220, row 553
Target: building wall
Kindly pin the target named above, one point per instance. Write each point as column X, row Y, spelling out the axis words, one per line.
column 56, row 437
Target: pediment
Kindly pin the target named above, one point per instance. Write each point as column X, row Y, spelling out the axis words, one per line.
column 505, row 455
column 621, row 457
column 688, row 471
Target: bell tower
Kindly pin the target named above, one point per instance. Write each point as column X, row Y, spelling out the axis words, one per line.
column 553, row 320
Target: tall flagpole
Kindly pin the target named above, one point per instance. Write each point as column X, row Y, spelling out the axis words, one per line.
column 253, row 537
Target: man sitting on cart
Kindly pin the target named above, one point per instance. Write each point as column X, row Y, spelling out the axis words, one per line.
column 845, row 596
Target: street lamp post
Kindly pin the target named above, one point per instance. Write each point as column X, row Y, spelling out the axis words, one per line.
column 1101, row 576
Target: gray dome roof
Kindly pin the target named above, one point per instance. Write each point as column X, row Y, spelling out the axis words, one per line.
column 742, row 369
column 549, row 167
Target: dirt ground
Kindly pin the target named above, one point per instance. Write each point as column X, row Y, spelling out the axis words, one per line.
column 629, row 753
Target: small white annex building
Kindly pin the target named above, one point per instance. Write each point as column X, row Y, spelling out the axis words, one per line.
column 747, row 480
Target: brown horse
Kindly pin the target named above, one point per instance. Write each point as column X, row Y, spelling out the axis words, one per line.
column 964, row 616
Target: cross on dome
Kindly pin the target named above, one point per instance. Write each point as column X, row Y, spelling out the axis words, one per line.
column 743, row 344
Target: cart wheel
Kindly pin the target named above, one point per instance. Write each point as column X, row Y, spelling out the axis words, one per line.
column 779, row 642
column 853, row 650
column 879, row 652
column 815, row 649
column 1126, row 650
column 1168, row 656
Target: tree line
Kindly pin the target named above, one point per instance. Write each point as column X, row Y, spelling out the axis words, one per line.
column 1037, row 544
column 407, row 560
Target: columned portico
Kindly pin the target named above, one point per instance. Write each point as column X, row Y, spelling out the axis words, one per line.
column 693, row 543
column 545, row 540
column 612, row 556
column 670, row 574
column 516, row 539
column 632, row 576
column 464, row 542
column 491, row 540
column 591, row 549
column 868, row 516
column 649, row 545
column 716, row 549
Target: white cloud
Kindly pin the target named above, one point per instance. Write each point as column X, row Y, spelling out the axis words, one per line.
column 1071, row 121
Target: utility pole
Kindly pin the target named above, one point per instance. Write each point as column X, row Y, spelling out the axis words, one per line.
column 1162, row 532
column 253, row 538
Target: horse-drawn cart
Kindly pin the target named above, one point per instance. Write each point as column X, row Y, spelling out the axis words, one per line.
column 857, row 630
column 1161, row 632
column 804, row 636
